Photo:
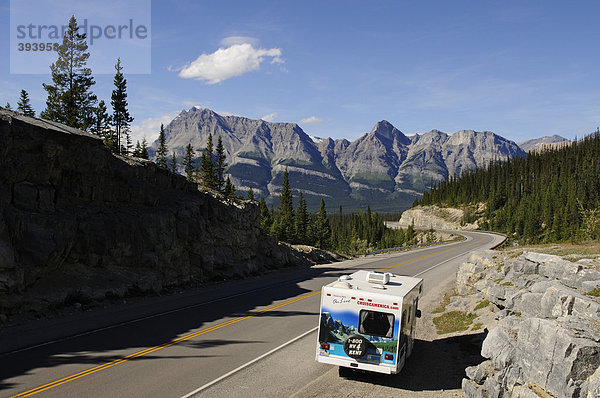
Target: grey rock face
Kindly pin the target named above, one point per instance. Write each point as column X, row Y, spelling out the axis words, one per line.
column 75, row 217
column 547, row 340
column 381, row 165
column 542, row 141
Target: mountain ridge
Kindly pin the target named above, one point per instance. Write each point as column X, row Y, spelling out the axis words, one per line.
column 383, row 168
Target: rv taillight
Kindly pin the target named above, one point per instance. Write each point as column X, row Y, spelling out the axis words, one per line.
column 388, row 357
column 325, row 346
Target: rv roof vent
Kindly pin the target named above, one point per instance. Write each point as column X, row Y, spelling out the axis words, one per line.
column 342, row 285
column 378, row 287
column 376, row 277
column 345, row 278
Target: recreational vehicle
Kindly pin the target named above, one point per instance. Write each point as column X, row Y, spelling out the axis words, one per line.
column 368, row 321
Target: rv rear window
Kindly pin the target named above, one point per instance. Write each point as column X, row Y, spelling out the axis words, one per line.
column 376, row 323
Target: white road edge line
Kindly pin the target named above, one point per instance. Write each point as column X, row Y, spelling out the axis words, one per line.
column 215, row 381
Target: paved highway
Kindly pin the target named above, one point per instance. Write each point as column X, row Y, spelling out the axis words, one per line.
column 221, row 341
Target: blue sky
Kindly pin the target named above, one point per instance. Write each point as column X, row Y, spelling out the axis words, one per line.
column 521, row 69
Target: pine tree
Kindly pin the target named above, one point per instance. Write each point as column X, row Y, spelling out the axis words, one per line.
column 229, row 189
column 120, row 118
column 70, row 99
column 285, row 219
column 144, row 151
column 101, row 124
column 24, row 106
column 8, row 107
column 173, row 165
column 161, row 153
column 301, row 221
column 188, row 162
column 207, row 166
column 137, row 152
column 265, row 217
column 250, row 194
column 322, row 227
column 220, row 166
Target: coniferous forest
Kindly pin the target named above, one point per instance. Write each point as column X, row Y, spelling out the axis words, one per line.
column 548, row 196
column 356, row 233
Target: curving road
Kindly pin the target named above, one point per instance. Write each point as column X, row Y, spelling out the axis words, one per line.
column 243, row 338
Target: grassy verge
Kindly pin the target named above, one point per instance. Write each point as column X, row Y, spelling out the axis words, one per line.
column 453, row 321
column 445, row 301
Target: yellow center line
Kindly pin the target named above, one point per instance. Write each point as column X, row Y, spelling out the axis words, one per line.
column 147, row 351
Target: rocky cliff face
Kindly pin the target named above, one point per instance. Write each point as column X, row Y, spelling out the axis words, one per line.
column 543, row 142
column 383, row 168
column 74, row 217
column 547, row 339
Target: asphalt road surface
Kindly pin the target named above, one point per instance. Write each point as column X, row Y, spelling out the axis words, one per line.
column 243, row 338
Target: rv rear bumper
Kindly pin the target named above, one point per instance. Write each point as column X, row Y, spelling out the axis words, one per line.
column 385, row 369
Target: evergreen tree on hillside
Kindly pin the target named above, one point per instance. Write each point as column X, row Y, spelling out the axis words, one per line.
column 70, row 99
column 220, row 166
column 24, row 106
column 265, row 216
column 161, row 153
column 301, row 221
column 173, row 165
column 144, row 152
column 120, row 118
column 137, row 151
column 250, row 194
column 207, row 166
column 8, row 107
column 229, row 189
column 188, row 162
column 284, row 222
column 100, row 125
column 322, row 229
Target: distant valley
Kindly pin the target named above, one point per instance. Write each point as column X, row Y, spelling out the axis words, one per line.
column 383, row 168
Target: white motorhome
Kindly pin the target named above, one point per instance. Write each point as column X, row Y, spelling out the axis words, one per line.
column 368, row 321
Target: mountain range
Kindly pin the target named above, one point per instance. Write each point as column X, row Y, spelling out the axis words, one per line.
column 383, row 168
column 543, row 142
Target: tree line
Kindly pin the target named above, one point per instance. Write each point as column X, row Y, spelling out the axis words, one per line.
column 356, row 233
column 71, row 101
column 549, row 196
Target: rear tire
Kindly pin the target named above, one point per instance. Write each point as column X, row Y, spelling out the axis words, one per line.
column 345, row 372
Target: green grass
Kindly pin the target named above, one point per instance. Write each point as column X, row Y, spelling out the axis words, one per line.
column 445, row 301
column 498, row 280
column 453, row 321
column 506, row 284
column 481, row 305
column 477, row 326
column 594, row 292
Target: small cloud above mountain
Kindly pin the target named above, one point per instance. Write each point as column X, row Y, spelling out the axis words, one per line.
column 270, row 117
column 310, row 120
column 235, row 60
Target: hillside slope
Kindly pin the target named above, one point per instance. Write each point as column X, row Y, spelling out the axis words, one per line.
column 76, row 218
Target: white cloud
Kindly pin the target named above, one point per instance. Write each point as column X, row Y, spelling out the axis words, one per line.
column 232, row 40
column 150, row 127
column 270, row 117
column 226, row 63
column 310, row 120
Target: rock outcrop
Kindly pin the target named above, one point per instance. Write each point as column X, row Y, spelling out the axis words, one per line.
column 547, row 339
column 76, row 218
column 436, row 217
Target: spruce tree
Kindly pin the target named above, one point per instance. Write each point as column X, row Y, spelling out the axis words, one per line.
column 322, row 227
column 188, row 162
column 144, row 151
column 161, row 153
column 24, row 106
column 207, row 166
column 265, row 217
column 137, row 152
column 301, row 220
column 8, row 107
column 120, row 118
column 101, row 124
column 229, row 189
column 285, row 217
column 173, row 163
column 250, row 194
column 70, row 99
column 220, row 166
